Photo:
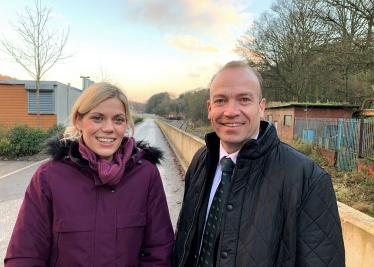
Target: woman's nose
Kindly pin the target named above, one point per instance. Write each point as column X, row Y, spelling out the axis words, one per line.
column 108, row 126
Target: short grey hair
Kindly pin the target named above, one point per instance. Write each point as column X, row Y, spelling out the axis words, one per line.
column 240, row 65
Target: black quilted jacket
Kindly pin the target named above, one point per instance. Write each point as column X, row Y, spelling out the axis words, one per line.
column 281, row 208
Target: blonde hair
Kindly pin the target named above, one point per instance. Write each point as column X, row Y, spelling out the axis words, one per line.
column 90, row 98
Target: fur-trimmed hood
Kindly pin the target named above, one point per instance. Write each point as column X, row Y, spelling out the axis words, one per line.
column 57, row 149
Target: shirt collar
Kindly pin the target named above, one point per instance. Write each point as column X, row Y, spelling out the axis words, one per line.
column 223, row 152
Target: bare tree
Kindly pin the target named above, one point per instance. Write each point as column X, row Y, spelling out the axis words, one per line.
column 284, row 45
column 103, row 74
column 37, row 49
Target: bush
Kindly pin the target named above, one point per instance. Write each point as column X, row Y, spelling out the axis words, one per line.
column 137, row 119
column 5, row 147
column 3, row 131
column 55, row 129
column 25, row 140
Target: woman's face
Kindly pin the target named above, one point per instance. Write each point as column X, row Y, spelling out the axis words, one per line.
column 104, row 127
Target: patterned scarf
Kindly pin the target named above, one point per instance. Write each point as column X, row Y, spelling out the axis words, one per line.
column 110, row 172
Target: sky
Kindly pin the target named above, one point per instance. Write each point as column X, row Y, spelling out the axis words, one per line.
column 144, row 46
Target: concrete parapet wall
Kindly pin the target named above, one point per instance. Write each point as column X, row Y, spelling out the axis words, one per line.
column 358, row 228
column 186, row 144
column 358, row 233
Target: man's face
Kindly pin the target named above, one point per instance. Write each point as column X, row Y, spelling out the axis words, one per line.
column 235, row 107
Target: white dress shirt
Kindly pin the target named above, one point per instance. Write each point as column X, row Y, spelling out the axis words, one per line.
column 218, row 174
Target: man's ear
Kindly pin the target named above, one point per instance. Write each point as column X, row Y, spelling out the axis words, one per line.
column 209, row 108
column 262, row 108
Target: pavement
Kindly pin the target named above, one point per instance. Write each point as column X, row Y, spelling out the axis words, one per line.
column 11, row 196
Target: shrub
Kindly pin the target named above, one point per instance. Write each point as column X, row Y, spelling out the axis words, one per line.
column 25, row 140
column 137, row 119
column 3, row 131
column 55, row 129
column 5, row 147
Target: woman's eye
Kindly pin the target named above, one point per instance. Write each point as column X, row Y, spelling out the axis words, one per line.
column 96, row 118
column 119, row 120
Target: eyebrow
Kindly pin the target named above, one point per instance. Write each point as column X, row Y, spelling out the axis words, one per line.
column 238, row 95
column 102, row 114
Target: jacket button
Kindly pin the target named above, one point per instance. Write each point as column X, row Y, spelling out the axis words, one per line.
column 241, row 165
column 224, row 255
column 229, row 207
column 139, row 162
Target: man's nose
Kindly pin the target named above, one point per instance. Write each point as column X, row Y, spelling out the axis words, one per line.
column 232, row 108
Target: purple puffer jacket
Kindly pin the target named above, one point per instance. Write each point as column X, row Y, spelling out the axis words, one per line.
column 68, row 218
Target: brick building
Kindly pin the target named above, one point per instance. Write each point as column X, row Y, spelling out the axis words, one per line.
column 283, row 116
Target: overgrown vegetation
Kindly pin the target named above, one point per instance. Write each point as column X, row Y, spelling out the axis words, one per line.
column 137, row 119
column 24, row 140
column 190, row 105
column 355, row 188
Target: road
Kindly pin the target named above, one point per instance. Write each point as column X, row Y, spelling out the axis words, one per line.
column 15, row 176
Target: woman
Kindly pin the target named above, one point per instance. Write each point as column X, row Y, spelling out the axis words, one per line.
column 100, row 200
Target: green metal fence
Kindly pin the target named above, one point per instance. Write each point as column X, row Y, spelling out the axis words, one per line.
column 350, row 138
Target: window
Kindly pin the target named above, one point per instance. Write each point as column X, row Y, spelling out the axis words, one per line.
column 287, row 120
column 270, row 118
column 46, row 103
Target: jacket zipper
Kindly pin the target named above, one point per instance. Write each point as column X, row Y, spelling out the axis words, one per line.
column 58, row 251
column 194, row 216
column 95, row 232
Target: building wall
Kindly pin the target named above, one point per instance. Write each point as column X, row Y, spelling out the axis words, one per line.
column 315, row 112
column 65, row 97
column 13, row 108
column 286, row 132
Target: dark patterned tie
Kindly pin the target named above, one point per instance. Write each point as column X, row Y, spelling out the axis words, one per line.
column 215, row 214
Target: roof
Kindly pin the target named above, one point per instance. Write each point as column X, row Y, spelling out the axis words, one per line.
column 30, row 84
column 310, row 105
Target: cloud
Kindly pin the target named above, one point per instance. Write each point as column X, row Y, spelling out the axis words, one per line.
column 193, row 75
column 189, row 43
column 54, row 15
column 202, row 68
column 183, row 16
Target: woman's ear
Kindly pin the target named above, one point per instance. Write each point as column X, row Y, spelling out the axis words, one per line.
column 78, row 122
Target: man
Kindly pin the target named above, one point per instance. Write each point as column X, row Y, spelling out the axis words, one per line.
column 280, row 208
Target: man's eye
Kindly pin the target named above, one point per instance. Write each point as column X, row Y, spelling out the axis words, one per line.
column 246, row 100
column 219, row 101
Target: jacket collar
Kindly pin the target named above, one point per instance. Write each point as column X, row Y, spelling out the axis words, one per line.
column 252, row 148
column 58, row 149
